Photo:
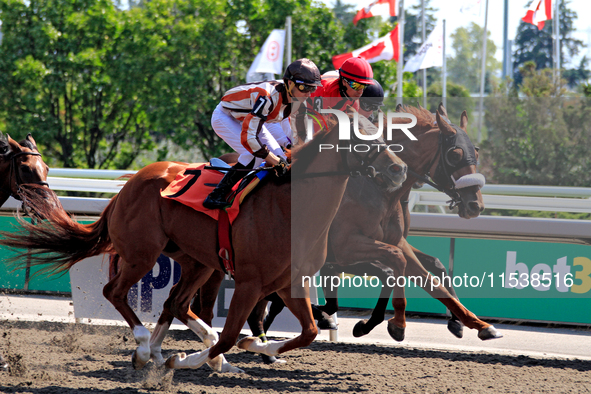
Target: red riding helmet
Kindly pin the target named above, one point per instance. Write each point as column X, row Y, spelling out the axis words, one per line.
column 357, row 69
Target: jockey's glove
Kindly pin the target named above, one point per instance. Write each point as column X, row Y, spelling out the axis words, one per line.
column 281, row 168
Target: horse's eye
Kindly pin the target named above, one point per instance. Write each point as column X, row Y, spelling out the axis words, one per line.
column 454, row 156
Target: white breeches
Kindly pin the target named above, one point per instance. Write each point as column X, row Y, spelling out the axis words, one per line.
column 229, row 129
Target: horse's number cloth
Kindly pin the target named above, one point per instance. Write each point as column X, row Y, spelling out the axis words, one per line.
column 192, row 186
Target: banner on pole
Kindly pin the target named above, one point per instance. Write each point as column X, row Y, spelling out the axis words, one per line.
column 430, row 54
column 269, row 60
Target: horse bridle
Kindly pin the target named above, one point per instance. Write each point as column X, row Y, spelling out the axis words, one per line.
column 453, row 193
column 365, row 168
column 15, row 174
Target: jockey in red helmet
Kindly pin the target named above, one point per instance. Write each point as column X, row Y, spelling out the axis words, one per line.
column 254, row 120
column 340, row 89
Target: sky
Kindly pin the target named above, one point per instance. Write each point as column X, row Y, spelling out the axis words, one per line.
column 450, row 11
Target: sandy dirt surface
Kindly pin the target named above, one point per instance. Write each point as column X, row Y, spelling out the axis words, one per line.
column 74, row 358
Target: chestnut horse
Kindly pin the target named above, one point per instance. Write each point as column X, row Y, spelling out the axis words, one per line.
column 139, row 225
column 20, row 165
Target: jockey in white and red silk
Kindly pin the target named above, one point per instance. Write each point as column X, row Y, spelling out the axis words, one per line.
column 340, row 89
column 254, row 120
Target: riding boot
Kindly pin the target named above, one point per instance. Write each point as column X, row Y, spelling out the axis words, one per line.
column 217, row 198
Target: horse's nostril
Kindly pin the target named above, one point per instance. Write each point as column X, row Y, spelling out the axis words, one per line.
column 395, row 168
column 475, row 206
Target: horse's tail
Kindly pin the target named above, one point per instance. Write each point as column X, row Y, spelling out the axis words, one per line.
column 58, row 242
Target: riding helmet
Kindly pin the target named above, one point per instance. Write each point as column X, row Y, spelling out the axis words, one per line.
column 303, row 71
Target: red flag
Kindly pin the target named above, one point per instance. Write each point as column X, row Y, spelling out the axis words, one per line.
column 383, row 8
column 384, row 48
column 538, row 12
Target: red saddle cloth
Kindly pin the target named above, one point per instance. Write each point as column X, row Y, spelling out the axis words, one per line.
column 192, row 186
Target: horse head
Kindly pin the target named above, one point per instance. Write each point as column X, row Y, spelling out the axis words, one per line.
column 455, row 171
column 21, row 165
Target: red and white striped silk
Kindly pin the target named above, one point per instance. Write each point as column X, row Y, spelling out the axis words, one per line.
column 384, row 48
column 538, row 12
column 383, row 8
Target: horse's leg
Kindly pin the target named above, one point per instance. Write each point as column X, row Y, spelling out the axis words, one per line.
column 302, row 310
column 246, row 296
column 204, row 301
column 434, row 265
column 436, row 290
column 275, row 309
column 364, row 327
column 322, row 313
column 255, row 322
column 362, row 248
column 194, row 275
column 116, row 292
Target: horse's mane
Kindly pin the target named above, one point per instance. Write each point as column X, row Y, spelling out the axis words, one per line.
column 302, row 155
column 426, row 121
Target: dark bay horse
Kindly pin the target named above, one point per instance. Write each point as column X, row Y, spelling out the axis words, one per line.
column 369, row 222
column 21, row 165
column 139, row 225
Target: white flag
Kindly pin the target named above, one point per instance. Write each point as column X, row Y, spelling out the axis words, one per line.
column 430, row 54
column 471, row 7
column 270, row 58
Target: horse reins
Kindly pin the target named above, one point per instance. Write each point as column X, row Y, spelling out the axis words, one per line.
column 453, row 193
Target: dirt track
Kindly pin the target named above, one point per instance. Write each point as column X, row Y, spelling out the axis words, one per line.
column 66, row 359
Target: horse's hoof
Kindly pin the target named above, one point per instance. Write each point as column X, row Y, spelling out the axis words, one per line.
column 326, row 324
column 456, row 328
column 272, row 360
column 359, row 329
column 489, row 333
column 246, row 342
column 397, row 333
column 171, row 360
column 136, row 363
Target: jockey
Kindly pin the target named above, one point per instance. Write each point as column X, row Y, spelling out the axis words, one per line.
column 371, row 100
column 340, row 89
column 254, row 120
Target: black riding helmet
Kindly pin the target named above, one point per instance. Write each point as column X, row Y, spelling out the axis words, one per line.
column 304, row 72
column 372, row 98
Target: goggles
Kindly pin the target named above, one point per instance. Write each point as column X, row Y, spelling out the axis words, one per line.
column 354, row 84
column 305, row 88
column 370, row 107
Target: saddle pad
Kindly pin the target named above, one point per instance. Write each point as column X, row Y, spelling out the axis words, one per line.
column 192, row 186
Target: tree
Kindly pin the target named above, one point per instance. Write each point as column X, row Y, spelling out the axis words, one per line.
column 69, row 73
column 536, row 45
column 464, row 67
column 539, row 137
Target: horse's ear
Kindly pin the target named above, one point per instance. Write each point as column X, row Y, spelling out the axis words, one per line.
column 464, row 121
column 32, row 141
column 399, row 108
column 14, row 146
column 441, row 109
column 444, row 126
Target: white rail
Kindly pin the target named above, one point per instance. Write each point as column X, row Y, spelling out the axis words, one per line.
column 514, row 197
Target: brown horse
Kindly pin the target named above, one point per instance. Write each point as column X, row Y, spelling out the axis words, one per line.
column 373, row 223
column 21, row 165
column 139, row 225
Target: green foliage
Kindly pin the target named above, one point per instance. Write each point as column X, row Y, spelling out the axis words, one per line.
column 535, row 45
column 465, row 67
column 539, row 138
